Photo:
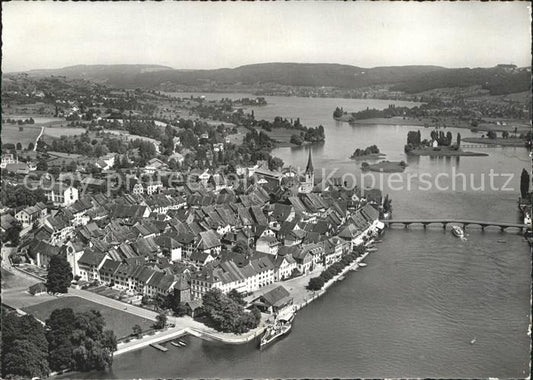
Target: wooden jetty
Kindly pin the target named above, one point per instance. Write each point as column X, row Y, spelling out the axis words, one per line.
column 159, row 347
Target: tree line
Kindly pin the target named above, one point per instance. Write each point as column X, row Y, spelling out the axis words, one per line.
column 69, row 340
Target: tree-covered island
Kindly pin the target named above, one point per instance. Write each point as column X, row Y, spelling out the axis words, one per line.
column 439, row 144
column 369, row 152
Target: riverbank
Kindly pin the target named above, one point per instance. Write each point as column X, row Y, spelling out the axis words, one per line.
column 315, row 294
column 297, row 287
column 431, row 152
column 385, row 167
column 439, row 123
column 511, row 141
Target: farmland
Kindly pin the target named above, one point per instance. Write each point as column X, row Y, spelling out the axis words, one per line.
column 57, row 132
column 11, row 134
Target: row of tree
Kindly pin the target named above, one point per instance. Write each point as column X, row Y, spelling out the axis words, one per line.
column 316, row 283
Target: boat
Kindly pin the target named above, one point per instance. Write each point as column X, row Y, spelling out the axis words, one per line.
column 372, row 249
column 458, row 231
column 341, row 278
column 279, row 328
column 502, row 241
column 175, row 344
column 362, row 264
column 182, row 344
column 378, row 241
column 473, row 341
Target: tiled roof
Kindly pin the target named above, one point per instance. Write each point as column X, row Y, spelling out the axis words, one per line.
column 209, row 239
column 277, row 296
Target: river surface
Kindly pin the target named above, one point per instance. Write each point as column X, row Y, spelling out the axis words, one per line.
column 424, row 295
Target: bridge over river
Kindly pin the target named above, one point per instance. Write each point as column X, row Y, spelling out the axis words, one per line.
column 464, row 222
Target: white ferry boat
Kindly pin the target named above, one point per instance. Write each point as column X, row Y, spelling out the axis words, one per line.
column 280, row 327
column 458, row 232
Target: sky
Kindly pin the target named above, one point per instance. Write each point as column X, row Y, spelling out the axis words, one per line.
column 194, row 35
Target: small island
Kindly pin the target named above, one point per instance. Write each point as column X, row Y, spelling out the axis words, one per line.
column 385, row 167
column 370, row 152
column 439, row 145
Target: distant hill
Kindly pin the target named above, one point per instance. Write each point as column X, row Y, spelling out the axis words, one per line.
column 100, row 72
column 410, row 79
column 291, row 74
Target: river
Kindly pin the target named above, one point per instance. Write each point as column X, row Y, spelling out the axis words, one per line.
column 424, row 295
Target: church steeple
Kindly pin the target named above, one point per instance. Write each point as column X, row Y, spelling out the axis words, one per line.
column 309, row 169
column 309, row 178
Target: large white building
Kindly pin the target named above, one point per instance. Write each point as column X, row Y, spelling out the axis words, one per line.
column 61, row 194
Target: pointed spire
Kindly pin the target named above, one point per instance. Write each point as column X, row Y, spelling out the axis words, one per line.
column 309, row 168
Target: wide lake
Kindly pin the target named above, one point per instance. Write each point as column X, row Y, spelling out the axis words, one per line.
column 413, row 311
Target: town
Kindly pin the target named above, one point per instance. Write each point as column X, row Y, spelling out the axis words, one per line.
column 154, row 211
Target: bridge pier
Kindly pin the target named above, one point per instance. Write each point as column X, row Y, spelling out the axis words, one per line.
column 444, row 225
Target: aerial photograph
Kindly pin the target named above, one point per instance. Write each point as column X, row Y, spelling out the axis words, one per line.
column 251, row 190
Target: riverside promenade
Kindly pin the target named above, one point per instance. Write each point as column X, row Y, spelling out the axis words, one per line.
column 188, row 326
column 297, row 287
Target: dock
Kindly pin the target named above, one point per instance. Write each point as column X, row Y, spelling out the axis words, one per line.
column 159, row 347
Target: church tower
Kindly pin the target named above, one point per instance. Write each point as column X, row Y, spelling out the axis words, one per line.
column 309, row 177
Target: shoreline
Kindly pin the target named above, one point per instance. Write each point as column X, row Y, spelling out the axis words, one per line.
column 333, row 280
column 510, row 142
column 449, row 122
column 236, row 339
column 372, row 156
column 445, row 153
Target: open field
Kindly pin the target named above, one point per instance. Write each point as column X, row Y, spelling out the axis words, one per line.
column 57, row 132
column 38, row 119
column 127, row 136
column 15, row 290
column 118, row 321
column 281, row 135
column 238, row 137
column 12, row 135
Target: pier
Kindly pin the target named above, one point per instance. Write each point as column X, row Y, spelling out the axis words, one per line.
column 444, row 222
column 159, row 347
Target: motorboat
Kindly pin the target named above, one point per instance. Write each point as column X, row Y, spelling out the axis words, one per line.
column 458, row 232
column 362, row 265
column 473, row 341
